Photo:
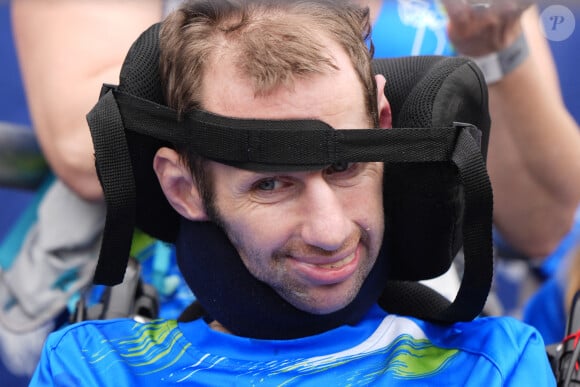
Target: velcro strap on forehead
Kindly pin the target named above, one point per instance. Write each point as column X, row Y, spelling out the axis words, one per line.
column 283, row 144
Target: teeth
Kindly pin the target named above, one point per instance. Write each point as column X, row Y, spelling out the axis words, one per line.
column 338, row 264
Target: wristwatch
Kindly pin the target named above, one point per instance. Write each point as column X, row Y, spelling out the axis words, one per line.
column 496, row 65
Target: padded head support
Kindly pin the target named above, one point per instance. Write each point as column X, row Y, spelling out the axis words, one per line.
column 436, row 190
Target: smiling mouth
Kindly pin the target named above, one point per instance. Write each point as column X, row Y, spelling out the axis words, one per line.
column 337, row 265
column 316, row 272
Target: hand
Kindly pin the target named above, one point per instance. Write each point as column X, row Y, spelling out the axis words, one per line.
column 480, row 27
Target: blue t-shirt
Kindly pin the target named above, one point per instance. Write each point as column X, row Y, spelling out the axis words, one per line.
column 381, row 350
column 411, row 27
column 545, row 311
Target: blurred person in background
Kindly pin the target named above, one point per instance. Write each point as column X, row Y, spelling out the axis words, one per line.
column 65, row 50
column 535, row 143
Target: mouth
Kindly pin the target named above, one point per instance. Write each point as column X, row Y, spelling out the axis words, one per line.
column 338, row 264
column 327, row 273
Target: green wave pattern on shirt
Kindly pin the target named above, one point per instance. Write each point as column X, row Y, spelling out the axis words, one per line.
column 411, row 358
column 405, row 358
column 158, row 345
column 152, row 348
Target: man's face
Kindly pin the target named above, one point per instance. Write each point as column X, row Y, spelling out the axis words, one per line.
column 313, row 236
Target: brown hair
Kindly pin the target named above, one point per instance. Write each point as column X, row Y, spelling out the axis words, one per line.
column 271, row 42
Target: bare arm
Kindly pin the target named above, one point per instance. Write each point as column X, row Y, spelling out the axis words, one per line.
column 67, row 49
column 534, row 153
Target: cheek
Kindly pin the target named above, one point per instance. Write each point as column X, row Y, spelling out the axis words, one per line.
column 365, row 206
column 255, row 235
column 365, row 201
column 377, row 210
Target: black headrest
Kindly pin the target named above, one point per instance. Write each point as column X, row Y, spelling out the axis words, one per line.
column 428, row 92
column 432, row 206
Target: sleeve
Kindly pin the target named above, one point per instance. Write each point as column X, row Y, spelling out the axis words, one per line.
column 43, row 374
column 533, row 367
column 47, row 371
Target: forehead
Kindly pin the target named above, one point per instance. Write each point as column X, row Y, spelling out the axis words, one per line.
column 335, row 97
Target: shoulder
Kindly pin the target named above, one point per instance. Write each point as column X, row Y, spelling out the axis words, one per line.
column 486, row 335
column 95, row 333
column 514, row 349
column 98, row 353
column 489, row 337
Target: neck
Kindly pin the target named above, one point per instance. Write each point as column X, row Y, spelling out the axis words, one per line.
column 216, row 326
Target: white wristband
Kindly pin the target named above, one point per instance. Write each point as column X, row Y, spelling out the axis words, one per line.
column 496, row 65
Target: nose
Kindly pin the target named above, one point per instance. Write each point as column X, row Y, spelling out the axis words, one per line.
column 325, row 223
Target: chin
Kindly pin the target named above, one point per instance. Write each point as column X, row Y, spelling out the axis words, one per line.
column 322, row 306
column 326, row 310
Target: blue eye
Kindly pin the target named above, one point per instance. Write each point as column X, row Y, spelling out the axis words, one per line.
column 266, row 185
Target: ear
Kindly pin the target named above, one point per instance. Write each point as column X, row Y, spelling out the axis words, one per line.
column 385, row 114
column 178, row 185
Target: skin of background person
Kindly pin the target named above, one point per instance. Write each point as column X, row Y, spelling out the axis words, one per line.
column 67, row 50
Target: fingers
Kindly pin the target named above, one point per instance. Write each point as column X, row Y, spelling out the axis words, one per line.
column 458, row 11
column 504, row 10
column 479, row 27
